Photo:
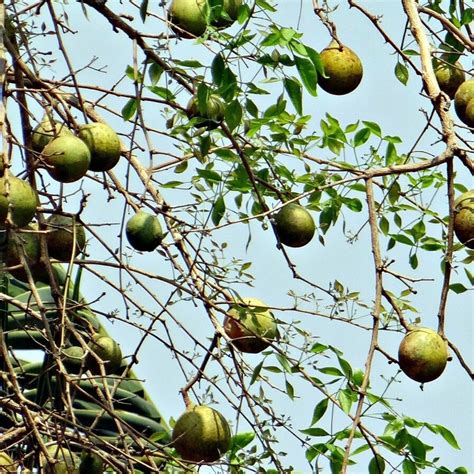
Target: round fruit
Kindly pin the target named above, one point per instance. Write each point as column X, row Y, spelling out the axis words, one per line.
column 189, row 18
column 201, row 434
column 62, row 232
column 45, row 132
column 213, row 114
column 464, row 218
column 20, row 197
column 250, row 326
column 103, row 143
column 144, row 232
column 91, row 463
column 422, row 354
column 108, row 351
column 449, row 76
column 67, row 462
column 227, row 14
column 72, row 358
column 7, row 464
column 67, row 158
column 295, row 226
column 28, row 244
column 462, row 99
column 342, row 67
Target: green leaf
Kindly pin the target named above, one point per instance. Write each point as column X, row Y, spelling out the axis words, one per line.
column 218, row 210
column 373, row 127
column 295, row 93
column 256, row 373
column 417, row 448
column 377, row 465
column 448, row 436
column 162, row 92
column 284, row 362
column 130, row 109
column 143, row 10
column 345, row 399
column 384, row 225
column 307, row 72
column 290, row 390
column 155, row 71
column 331, row 371
column 401, row 73
column 319, row 410
column 315, row 432
column 458, row 288
column 240, row 440
column 361, row 137
column 217, row 69
column 233, row 115
column 408, row 466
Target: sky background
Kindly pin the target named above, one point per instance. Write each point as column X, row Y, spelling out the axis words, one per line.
column 380, row 98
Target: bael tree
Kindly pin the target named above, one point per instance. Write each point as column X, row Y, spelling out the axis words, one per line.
column 213, row 141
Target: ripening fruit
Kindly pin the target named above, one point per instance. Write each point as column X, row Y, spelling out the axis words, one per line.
column 422, row 354
column 212, row 115
column 22, row 200
column 62, row 232
column 464, row 102
column 295, row 226
column 103, row 144
column 91, row 463
column 67, row 158
column 108, row 351
column 201, row 434
column 227, row 14
column 342, row 67
column 189, row 18
column 449, row 76
column 250, row 326
column 67, row 461
column 7, row 464
column 464, row 218
column 46, row 131
column 144, row 232
column 72, row 358
column 24, row 243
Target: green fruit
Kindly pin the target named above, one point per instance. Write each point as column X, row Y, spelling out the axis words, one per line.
column 67, row 461
column 189, row 18
column 201, row 434
column 250, row 326
column 464, row 218
column 7, row 464
column 108, row 351
column 91, row 463
column 449, row 76
column 212, row 112
column 28, row 244
column 144, row 232
column 20, row 197
column 423, row 354
column 342, row 67
column 462, row 99
column 72, row 358
column 103, row 144
column 45, row 132
column 67, row 158
column 295, row 226
column 62, row 231
column 226, row 12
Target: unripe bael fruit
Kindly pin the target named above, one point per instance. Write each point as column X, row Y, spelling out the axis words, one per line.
column 464, row 218
column 20, row 197
column 103, row 144
column 423, row 354
column 213, row 112
column 108, row 351
column 26, row 244
column 189, row 18
column 226, row 15
column 462, row 99
column 91, row 463
column 250, row 325
column 67, row 461
column 47, row 131
column 449, row 76
column 342, row 67
column 201, row 434
column 295, row 226
column 144, row 232
column 7, row 464
column 72, row 358
column 67, row 158
column 62, row 232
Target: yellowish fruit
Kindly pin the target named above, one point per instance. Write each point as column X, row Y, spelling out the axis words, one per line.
column 45, row 132
column 20, row 197
column 189, row 18
column 462, row 99
column 449, row 76
column 201, row 434
column 7, row 464
column 250, row 325
column 67, row 461
column 62, row 232
column 342, row 67
column 103, row 143
column 212, row 112
column 423, row 354
column 295, row 226
column 227, row 14
column 66, row 158
column 72, row 358
column 144, row 232
column 464, row 218
column 108, row 351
